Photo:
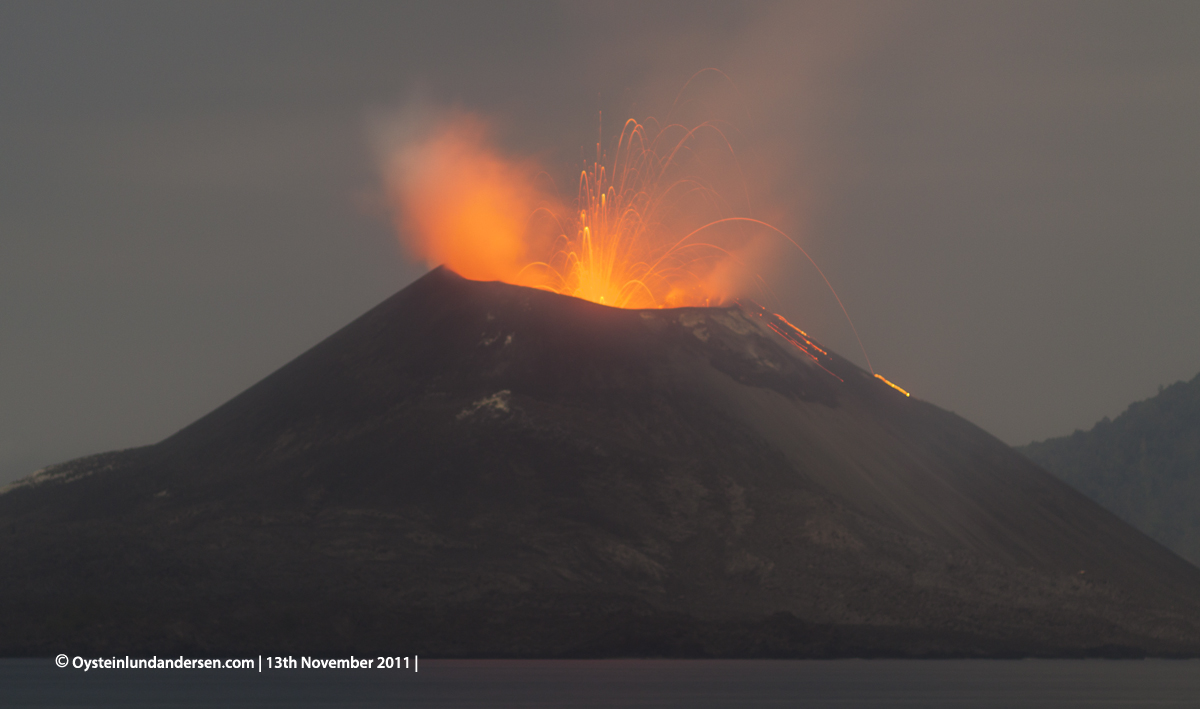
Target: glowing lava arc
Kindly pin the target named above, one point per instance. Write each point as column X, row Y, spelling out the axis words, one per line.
column 801, row 341
column 881, row 378
column 635, row 229
column 797, row 337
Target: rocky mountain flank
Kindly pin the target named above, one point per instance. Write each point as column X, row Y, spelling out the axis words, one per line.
column 1144, row 465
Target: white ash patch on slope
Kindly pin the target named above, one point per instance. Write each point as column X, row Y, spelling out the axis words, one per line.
column 64, row 472
column 496, row 403
column 696, row 322
column 737, row 321
column 488, row 341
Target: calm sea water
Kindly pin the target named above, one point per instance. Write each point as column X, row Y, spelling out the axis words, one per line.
column 625, row 683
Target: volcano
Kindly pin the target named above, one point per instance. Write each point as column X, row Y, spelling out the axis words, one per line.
column 481, row 469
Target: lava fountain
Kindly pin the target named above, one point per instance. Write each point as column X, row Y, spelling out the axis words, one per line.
column 655, row 228
column 663, row 223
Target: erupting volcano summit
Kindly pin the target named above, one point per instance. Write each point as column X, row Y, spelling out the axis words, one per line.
column 482, row 469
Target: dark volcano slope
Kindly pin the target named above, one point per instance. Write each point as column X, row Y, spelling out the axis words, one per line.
column 478, row 469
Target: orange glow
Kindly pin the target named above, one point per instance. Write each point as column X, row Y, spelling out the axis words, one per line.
column 462, row 204
column 880, row 378
column 664, row 222
column 661, row 225
column 650, row 230
column 794, row 335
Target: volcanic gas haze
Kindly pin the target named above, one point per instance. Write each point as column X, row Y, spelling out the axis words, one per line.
column 664, row 221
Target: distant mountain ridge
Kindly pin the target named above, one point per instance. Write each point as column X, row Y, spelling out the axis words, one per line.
column 1144, row 465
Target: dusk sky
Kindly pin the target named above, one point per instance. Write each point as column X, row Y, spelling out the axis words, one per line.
column 1006, row 196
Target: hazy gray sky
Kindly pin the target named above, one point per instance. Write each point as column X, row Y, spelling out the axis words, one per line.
column 1006, row 195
